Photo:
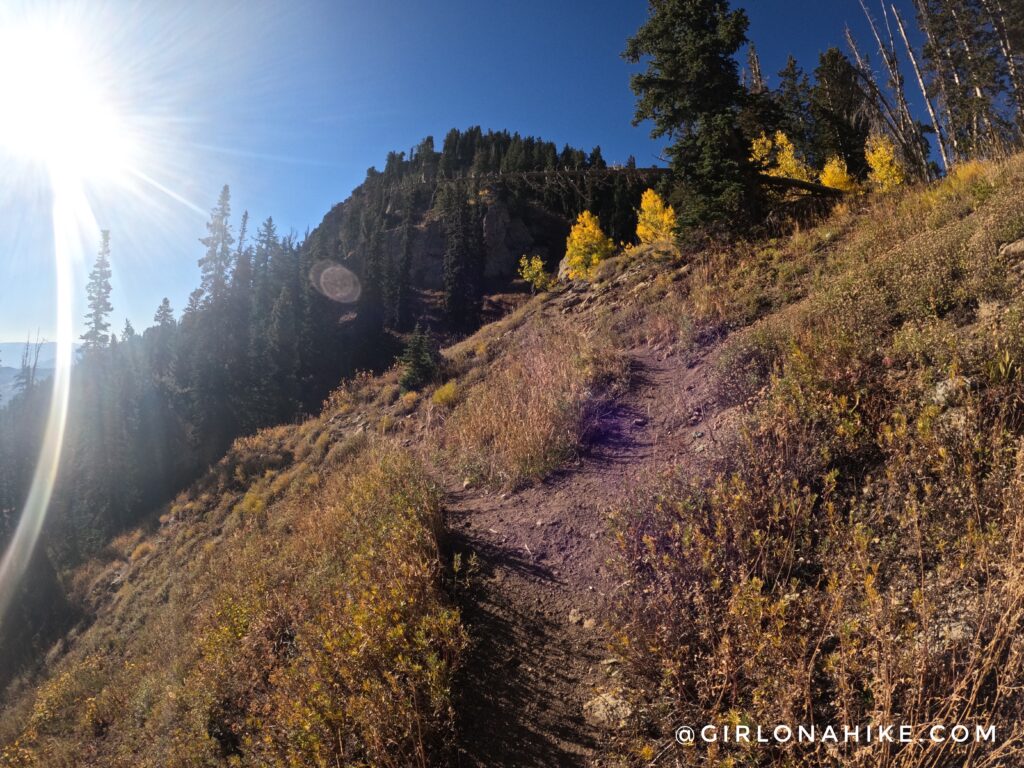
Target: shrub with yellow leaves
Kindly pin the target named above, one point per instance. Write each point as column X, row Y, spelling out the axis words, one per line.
column 776, row 156
column 656, row 222
column 887, row 171
column 836, row 175
column 586, row 247
column 531, row 269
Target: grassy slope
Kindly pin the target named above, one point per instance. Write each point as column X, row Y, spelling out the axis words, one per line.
column 292, row 608
column 859, row 557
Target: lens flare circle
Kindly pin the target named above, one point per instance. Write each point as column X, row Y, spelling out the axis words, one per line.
column 336, row 282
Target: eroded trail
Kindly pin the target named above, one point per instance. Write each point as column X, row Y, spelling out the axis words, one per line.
column 537, row 608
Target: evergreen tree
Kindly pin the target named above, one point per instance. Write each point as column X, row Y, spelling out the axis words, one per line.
column 216, row 263
column 164, row 316
column 98, row 296
column 162, row 353
column 282, row 346
column 691, row 91
column 793, row 97
column 463, row 262
column 841, row 112
column 264, row 253
column 420, row 361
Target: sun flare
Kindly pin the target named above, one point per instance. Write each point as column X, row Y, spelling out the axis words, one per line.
column 57, row 114
column 59, row 111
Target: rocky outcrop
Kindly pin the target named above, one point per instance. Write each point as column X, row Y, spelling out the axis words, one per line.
column 507, row 236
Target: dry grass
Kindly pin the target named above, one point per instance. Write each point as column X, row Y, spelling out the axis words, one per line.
column 302, row 622
column 533, row 409
column 861, row 561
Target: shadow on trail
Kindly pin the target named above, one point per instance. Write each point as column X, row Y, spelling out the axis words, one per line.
column 518, row 658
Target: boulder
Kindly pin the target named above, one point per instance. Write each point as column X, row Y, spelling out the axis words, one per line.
column 1014, row 250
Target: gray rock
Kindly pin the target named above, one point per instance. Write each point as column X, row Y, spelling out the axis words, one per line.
column 607, row 711
column 1013, row 250
column 950, row 391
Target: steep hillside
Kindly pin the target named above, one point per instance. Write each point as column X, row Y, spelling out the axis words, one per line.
column 730, row 486
column 436, row 230
column 274, row 324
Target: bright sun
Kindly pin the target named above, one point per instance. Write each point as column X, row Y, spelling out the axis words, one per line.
column 56, row 113
column 57, row 107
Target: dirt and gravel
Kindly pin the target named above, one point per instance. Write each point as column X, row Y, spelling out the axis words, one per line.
column 537, row 609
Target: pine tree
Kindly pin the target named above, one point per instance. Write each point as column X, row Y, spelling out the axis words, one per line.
column 216, row 263
column 840, row 112
column 463, row 263
column 98, row 294
column 282, row 346
column 240, row 328
column 162, row 353
column 793, row 96
column 691, row 91
column 975, row 72
column 402, row 309
column 264, row 254
column 420, row 361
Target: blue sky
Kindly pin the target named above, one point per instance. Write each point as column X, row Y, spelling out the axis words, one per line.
column 291, row 102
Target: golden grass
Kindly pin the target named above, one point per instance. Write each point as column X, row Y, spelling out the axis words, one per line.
column 861, row 559
column 300, row 623
column 533, row 408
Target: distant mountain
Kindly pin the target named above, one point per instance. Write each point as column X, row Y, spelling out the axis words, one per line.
column 11, row 351
column 7, row 379
column 10, row 363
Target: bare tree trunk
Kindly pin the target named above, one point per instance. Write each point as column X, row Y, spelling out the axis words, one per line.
column 994, row 142
column 924, row 91
column 874, row 93
column 757, row 84
column 906, row 129
column 998, row 17
column 941, row 75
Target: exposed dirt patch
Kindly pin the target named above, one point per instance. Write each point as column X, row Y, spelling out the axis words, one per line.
column 537, row 609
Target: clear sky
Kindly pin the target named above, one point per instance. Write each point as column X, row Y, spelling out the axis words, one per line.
column 291, row 101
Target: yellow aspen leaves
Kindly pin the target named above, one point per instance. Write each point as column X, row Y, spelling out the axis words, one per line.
column 656, row 222
column 887, row 172
column 776, row 156
column 531, row 269
column 586, row 247
column 836, row 175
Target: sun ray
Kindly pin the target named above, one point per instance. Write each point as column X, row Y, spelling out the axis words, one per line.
column 73, row 223
column 59, row 119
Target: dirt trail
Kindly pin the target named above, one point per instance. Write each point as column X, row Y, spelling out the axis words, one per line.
column 536, row 612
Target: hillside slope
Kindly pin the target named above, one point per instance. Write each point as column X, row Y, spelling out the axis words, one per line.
column 738, row 485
